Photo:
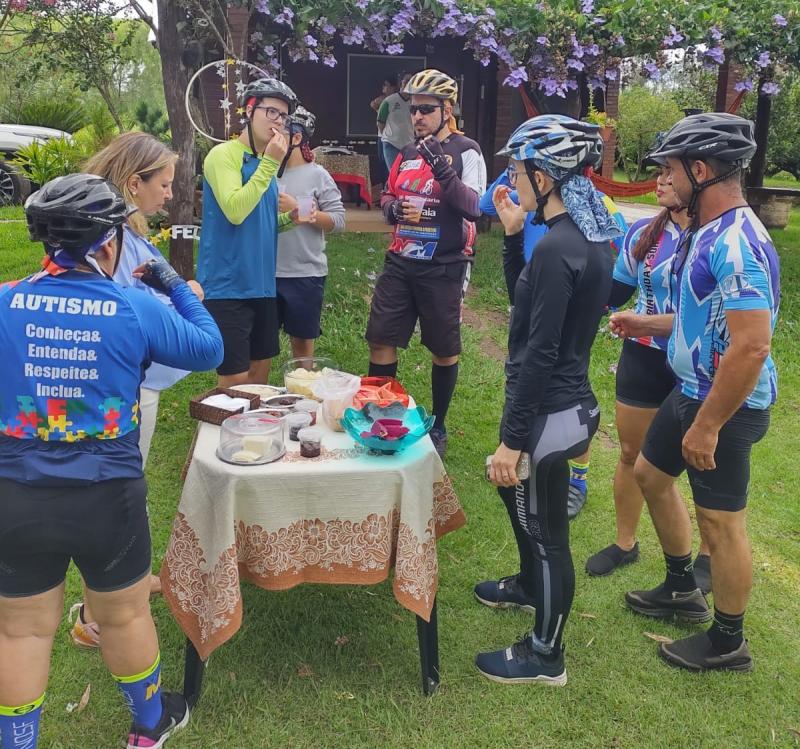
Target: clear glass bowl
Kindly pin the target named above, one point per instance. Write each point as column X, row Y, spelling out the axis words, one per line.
column 299, row 373
column 250, row 439
column 359, row 423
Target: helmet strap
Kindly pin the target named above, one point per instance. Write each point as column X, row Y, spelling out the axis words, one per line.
column 442, row 123
column 698, row 187
column 541, row 199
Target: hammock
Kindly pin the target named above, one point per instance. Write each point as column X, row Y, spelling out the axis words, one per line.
column 612, row 187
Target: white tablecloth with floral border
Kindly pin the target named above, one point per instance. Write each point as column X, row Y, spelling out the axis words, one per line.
column 345, row 517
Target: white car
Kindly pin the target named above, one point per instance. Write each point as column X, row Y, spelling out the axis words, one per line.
column 14, row 186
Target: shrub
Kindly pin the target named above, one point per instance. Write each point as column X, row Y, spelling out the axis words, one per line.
column 62, row 113
column 642, row 115
column 41, row 162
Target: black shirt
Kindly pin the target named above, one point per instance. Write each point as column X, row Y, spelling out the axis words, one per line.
column 559, row 299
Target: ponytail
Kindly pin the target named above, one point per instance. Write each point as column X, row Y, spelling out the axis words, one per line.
column 650, row 235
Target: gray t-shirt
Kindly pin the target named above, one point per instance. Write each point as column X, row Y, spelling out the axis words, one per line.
column 397, row 129
column 301, row 250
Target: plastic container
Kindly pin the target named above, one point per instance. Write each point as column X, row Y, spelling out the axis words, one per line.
column 305, row 204
column 417, row 204
column 336, row 390
column 250, row 439
column 294, row 423
column 300, row 373
column 308, row 406
column 310, row 442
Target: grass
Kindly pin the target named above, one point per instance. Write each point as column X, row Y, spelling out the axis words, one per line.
column 366, row 694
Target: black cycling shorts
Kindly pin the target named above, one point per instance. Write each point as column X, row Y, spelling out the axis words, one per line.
column 408, row 290
column 644, row 378
column 724, row 488
column 103, row 527
column 250, row 331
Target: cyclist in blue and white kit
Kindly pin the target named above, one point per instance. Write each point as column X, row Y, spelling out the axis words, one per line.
column 75, row 346
column 719, row 349
column 644, row 378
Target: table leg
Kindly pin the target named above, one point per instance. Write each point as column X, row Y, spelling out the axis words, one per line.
column 193, row 670
column 428, row 636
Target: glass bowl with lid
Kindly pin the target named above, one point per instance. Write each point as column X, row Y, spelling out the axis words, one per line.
column 251, row 439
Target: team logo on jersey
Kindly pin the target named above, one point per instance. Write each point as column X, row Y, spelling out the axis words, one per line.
column 737, row 285
column 427, row 188
column 409, row 164
column 449, row 159
column 419, row 250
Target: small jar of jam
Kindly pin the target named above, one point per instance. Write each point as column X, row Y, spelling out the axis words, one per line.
column 310, row 442
column 295, row 422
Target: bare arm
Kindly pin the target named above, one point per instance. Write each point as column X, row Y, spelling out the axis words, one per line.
column 627, row 324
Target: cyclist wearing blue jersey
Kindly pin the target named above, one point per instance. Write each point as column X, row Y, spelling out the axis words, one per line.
column 550, row 412
column 75, row 347
column 644, row 378
column 719, row 349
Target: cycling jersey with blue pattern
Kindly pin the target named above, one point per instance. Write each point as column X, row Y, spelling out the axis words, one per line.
column 731, row 265
column 652, row 276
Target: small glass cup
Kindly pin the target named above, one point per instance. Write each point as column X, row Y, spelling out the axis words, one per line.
column 417, row 203
column 310, row 442
column 308, row 406
column 295, row 422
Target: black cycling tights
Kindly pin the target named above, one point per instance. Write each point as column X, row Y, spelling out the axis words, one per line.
column 538, row 511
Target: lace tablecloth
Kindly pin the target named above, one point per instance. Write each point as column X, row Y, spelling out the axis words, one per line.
column 345, row 517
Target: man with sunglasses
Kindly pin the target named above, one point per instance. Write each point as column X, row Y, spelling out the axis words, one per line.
column 238, row 245
column 431, row 198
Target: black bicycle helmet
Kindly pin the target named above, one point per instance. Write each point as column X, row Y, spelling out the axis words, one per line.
column 717, row 135
column 74, row 212
column 307, row 120
column 272, row 88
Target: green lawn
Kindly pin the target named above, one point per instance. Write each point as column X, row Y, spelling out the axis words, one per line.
column 366, row 694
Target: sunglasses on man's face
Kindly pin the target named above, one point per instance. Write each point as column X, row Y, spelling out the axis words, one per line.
column 424, row 108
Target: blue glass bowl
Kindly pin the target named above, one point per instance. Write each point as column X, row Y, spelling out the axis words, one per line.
column 416, row 420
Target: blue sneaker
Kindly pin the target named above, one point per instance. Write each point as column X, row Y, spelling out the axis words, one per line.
column 576, row 499
column 521, row 664
column 505, row 593
column 439, row 439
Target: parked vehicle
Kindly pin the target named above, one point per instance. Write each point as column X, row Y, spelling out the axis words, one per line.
column 14, row 186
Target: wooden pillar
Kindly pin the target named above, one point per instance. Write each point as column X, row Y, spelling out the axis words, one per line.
column 238, row 20
column 729, row 75
column 612, row 110
column 504, row 123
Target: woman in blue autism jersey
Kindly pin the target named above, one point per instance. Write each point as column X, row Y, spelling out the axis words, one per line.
column 71, row 482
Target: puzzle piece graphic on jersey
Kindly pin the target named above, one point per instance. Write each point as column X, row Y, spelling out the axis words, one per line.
column 57, row 415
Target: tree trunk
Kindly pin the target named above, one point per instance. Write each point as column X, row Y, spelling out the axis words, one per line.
column 176, row 79
column 755, row 177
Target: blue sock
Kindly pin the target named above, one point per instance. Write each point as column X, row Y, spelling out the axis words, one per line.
column 142, row 694
column 577, row 476
column 19, row 726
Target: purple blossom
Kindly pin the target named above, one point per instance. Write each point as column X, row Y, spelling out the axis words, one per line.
column 329, row 60
column 328, row 28
column 275, row 63
column 779, row 20
column 543, row 41
column 484, row 61
column 539, row 7
column 256, row 36
column 285, row 16
column 575, row 64
column 491, row 12
column 394, row 49
column 598, row 21
column 619, row 40
column 595, row 82
column 593, row 50
column 673, row 37
column 716, row 34
column 587, row 6
column 717, row 54
column 611, row 74
column 508, row 31
column 504, row 54
column 362, row 4
column 313, row 56
column 310, row 40
column 262, row 6
column 745, row 85
column 377, row 18
column 764, row 60
column 516, row 78
column 295, row 55
column 552, row 87
column 489, row 43
column 770, row 88
column 652, row 71
column 269, row 51
column 356, row 36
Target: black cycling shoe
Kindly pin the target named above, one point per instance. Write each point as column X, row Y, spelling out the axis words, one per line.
column 174, row 716
column 521, row 664
column 505, row 593
column 696, row 653
column 576, row 499
column 702, row 572
column 661, row 603
column 608, row 560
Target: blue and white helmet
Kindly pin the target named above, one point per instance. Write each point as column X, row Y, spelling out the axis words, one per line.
column 557, row 141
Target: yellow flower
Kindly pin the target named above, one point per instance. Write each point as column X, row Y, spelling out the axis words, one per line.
column 230, row 61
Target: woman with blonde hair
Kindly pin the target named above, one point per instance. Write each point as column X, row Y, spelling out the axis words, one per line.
column 142, row 168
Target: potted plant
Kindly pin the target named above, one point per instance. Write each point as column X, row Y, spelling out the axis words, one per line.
column 606, row 123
